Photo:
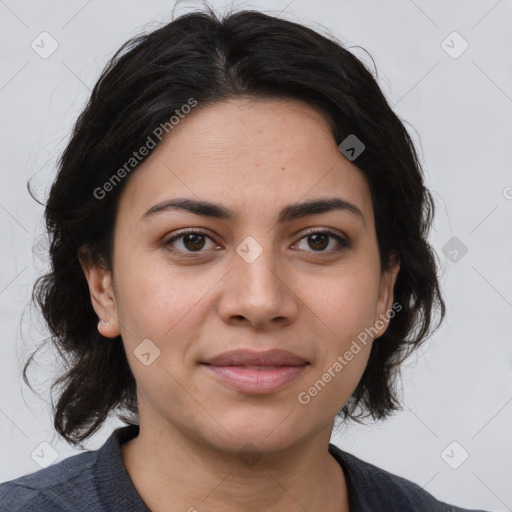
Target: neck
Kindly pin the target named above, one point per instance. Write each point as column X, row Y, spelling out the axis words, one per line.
column 173, row 472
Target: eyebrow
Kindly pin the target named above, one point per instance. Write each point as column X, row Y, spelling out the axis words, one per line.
column 287, row 214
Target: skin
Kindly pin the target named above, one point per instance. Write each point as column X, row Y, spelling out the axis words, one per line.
column 254, row 157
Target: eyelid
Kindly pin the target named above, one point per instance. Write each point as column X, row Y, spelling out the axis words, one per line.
column 330, row 231
column 188, row 231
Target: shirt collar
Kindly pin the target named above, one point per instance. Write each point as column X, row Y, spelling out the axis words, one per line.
column 113, row 482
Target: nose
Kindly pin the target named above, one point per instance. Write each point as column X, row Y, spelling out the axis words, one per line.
column 259, row 293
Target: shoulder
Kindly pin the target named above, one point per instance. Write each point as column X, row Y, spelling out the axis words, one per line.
column 377, row 489
column 60, row 487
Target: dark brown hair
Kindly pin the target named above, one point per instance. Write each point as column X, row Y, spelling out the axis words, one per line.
column 211, row 58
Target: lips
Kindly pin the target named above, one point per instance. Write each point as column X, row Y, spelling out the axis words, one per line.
column 256, row 372
column 248, row 358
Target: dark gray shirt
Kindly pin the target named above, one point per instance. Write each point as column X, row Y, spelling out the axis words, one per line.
column 97, row 481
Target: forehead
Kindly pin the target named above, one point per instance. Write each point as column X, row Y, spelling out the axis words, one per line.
column 245, row 153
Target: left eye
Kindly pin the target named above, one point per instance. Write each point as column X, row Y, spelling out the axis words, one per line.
column 319, row 240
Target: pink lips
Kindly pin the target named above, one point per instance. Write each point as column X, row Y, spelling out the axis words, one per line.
column 256, row 372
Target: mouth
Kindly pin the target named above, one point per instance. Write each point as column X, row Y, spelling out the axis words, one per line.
column 256, row 373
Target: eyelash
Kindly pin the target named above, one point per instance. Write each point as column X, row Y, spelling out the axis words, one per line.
column 344, row 244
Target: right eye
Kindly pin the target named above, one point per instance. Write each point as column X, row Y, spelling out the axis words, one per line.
column 191, row 241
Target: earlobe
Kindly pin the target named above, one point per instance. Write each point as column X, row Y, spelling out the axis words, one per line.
column 102, row 294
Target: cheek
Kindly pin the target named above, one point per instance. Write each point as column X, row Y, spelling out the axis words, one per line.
column 343, row 312
column 158, row 301
column 344, row 304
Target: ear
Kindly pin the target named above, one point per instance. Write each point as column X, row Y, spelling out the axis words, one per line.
column 102, row 294
column 384, row 310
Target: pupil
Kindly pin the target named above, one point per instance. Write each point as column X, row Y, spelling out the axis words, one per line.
column 316, row 238
column 196, row 241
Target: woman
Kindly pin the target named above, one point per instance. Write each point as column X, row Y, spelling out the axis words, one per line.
column 239, row 256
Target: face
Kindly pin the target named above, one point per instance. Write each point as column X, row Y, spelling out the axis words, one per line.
column 188, row 286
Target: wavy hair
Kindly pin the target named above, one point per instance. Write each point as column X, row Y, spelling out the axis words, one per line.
column 244, row 54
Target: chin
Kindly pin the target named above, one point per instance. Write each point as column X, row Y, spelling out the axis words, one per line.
column 269, row 429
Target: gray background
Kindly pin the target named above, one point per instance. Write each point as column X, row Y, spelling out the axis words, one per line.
column 458, row 111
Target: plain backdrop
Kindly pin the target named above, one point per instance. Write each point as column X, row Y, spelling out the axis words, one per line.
column 445, row 68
